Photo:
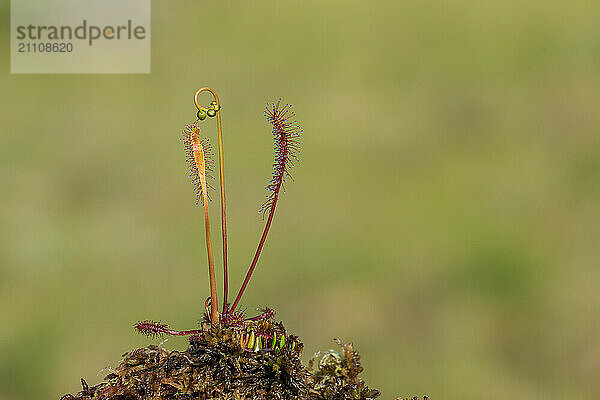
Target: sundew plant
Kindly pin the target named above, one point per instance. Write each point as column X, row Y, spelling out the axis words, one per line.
column 200, row 157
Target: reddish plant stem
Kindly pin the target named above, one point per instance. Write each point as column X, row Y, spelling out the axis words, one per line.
column 223, row 210
column 182, row 333
column 214, row 312
column 258, row 250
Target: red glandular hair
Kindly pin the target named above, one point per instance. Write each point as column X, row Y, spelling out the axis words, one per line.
column 286, row 138
column 190, row 136
column 151, row 328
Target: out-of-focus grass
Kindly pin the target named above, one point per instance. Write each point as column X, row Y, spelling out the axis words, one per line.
column 445, row 216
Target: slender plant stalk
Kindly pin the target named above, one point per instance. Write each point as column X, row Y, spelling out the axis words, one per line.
column 256, row 255
column 201, row 165
column 222, row 185
column 223, row 212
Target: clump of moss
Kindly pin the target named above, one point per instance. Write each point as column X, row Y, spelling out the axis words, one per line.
column 334, row 375
column 215, row 366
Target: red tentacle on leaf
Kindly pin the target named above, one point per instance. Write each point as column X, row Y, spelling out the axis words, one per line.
column 286, row 135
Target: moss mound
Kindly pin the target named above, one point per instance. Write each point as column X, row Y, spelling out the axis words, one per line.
column 216, row 366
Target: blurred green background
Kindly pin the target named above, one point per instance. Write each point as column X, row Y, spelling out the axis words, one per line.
column 445, row 216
